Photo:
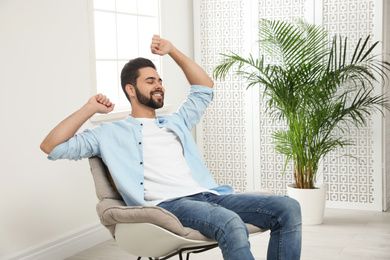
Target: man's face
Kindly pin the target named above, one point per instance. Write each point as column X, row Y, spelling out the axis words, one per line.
column 149, row 89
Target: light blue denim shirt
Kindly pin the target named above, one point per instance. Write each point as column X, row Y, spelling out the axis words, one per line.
column 119, row 144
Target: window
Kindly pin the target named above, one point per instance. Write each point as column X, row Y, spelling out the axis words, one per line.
column 123, row 30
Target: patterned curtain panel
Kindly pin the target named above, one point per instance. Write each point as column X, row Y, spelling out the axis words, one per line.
column 349, row 173
column 223, row 124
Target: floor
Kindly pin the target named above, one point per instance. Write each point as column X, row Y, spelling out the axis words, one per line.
column 345, row 234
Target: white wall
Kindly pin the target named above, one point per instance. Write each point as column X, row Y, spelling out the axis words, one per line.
column 45, row 76
column 45, row 72
column 177, row 26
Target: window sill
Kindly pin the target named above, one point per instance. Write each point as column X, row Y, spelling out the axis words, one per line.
column 123, row 113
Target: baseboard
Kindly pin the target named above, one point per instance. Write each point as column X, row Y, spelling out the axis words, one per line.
column 64, row 246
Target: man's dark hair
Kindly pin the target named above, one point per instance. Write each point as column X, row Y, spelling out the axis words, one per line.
column 130, row 72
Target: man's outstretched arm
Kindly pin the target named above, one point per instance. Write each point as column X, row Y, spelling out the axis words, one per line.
column 193, row 72
column 67, row 128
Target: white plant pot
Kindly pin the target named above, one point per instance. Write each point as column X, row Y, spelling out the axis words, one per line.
column 312, row 203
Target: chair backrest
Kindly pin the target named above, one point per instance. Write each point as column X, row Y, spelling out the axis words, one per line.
column 104, row 189
column 108, row 197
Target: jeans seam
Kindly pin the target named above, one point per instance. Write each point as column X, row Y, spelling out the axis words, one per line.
column 289, row 231
column 280, row 246
column 215, row 227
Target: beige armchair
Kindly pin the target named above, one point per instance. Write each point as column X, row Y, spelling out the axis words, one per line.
column 145, row 231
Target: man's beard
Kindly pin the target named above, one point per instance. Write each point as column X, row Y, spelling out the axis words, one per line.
column 149, row 101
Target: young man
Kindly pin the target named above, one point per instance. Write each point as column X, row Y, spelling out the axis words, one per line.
column 154, row 161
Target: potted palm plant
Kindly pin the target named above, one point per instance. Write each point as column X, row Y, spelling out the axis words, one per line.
column 315, row 86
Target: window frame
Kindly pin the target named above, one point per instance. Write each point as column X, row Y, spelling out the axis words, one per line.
column 120, row 112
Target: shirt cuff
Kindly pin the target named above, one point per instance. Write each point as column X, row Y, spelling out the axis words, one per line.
column 55, row 153
column 203, row 89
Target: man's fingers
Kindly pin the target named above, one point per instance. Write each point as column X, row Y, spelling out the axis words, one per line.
column 111, row 107
column 156, row 38
column 156, row 51
column 155, row 41
column 102, row 99
column 155, row 45
column 98, row 96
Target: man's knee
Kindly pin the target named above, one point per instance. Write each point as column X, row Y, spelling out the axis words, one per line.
column 289, row 211
column 291, row 204
column 294, row 209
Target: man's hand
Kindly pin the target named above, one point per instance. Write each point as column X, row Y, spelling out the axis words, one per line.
column 160, row 46
column 193, row 72
column 101, row 104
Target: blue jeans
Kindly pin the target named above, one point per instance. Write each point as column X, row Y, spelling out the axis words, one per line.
column 223, row 219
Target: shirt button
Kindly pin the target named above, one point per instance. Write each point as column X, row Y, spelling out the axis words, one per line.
column 142, row 183
column 140, row 143
column 141, row 163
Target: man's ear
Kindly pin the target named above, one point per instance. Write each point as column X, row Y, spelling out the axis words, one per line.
column 130, row 90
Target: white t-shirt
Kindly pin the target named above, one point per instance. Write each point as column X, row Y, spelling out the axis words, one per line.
column 166, row 173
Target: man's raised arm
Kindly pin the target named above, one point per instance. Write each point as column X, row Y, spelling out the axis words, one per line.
column 193, row 72
column 67, row 128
